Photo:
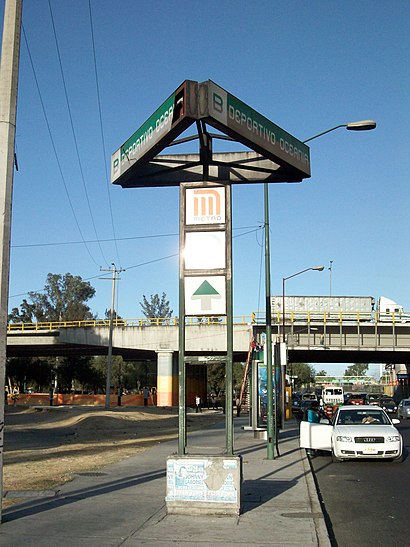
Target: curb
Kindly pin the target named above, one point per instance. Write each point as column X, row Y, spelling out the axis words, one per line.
column 322, row 533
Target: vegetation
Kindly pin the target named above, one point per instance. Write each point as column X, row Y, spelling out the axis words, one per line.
column 63, row 298
column 156, row 306
column 216, row 377
column 358, row 369
column 303, row 374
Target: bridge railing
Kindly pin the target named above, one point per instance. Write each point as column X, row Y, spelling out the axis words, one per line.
column 332, row 317
column 137, row 322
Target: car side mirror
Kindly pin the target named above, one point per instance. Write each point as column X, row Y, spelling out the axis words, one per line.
column 395, row 421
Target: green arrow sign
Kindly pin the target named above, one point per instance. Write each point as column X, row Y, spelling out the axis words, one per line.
column 206, row 292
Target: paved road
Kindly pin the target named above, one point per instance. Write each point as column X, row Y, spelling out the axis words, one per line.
column 367, row 502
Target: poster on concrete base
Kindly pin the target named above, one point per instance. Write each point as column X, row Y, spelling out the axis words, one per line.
column 206, row 480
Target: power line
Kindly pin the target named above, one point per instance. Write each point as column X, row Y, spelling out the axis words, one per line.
column 146, row 263
column 102, row 134
column 73, row 131
column 54, row 148
column 130, row 238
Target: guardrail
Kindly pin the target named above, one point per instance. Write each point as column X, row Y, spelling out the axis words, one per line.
column 257, row 318
column 139, row 322
column 333, row 317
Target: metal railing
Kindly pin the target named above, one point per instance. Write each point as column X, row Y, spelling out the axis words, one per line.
column 332, row 317
column 137, row 322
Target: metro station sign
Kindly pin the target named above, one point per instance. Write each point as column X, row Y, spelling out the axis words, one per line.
column 246, row 125
column 138, row 163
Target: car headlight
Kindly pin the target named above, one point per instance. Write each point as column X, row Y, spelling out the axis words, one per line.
column 392, row 438
column 344, row 439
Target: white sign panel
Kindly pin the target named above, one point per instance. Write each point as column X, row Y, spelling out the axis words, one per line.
column 205, row 295
column 205, row 206
column 205, row 250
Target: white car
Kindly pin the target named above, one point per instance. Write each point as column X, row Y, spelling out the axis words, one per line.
column 403, row 410
column 364, row 431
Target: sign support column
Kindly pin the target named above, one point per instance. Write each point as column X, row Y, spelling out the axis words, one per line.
column 205, row 280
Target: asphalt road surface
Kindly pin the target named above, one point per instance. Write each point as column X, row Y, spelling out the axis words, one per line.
column 366, row 503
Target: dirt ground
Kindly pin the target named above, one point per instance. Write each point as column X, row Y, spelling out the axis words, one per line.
column 45, row 447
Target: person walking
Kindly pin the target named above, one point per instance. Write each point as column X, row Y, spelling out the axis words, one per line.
column 198, row 407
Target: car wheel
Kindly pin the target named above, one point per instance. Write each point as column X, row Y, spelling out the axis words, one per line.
column 399, row 459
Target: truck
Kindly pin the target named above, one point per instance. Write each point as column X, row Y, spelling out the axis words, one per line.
column 332, row 395
column 364, row 308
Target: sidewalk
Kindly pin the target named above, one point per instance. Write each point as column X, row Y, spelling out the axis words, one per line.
column 123, row 504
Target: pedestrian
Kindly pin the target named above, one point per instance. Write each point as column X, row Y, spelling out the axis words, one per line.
column 313, row 413
column 198, row 407
column 146, row 396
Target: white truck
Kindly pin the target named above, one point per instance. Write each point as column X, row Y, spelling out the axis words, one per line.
column 332, row 395
column 363, row 308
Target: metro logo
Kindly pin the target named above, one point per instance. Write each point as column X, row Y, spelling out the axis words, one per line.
column 207, row 203
column 205, row 206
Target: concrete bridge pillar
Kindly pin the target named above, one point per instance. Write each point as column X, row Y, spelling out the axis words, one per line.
column 164, row 378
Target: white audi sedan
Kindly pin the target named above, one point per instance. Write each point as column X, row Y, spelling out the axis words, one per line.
column 356, row 432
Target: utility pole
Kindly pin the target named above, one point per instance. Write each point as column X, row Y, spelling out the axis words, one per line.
column 10, row 52
column 330, row 277
column 114, row 278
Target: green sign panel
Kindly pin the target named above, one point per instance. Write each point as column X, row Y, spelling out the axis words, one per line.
column 256, row 131
column 208, row 102
column 149, row 134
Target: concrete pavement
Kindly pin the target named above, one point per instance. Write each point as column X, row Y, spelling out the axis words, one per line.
column 123, row 504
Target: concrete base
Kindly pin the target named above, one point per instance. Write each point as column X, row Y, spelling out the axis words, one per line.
column 260, row 434
column 198, row 485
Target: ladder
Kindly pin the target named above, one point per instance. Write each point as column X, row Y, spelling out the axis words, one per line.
column 244, row 391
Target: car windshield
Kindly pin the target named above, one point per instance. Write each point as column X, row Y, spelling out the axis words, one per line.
column 406, row 403
column 358, row 417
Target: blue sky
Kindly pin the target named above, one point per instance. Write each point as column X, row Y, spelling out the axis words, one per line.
column 307, row 66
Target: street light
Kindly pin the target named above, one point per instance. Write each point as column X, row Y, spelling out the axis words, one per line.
column 363, row 125
column 316, row 268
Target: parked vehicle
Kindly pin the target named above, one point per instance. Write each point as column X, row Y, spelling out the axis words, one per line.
column 357, row 432
column 373, row 398
column 309, row 397
column 388, row 404
column 317, row 306
column 358, row 399
column 332, row 395
column 403, row 410
column 388, row 309
column 364, row 308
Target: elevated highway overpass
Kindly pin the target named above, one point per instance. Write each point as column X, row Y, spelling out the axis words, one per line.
column 310, row 342
column 307, row 341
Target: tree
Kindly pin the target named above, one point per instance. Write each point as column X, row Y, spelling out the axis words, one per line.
column 302, row 373
column 156, row 307
column 358, row 369
column 217, row 373
column 321, row 373
column 63, row 299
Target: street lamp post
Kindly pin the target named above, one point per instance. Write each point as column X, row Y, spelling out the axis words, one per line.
column 316, row 268
column 363, row 125
column 283, row 369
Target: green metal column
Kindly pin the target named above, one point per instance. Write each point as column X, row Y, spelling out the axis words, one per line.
column 268, row 345
column 181, row 334
column 229, row 326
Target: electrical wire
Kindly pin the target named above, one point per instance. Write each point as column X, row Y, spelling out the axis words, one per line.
column 55, row 150
column 140, row 264
column 130, row 238
column 74, row 133
column 102, row 134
